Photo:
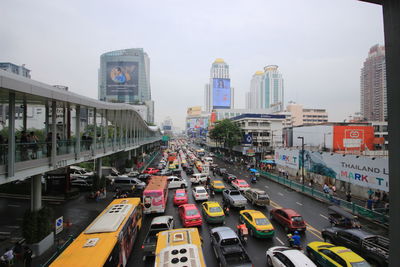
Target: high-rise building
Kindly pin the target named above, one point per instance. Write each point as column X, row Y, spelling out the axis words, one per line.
column 305, row 116
column 373, row 85
column 19, row 70
column 124, row 77
column 266, row 90
column 219, row 93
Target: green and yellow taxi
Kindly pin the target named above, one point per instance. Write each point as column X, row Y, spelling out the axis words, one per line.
column 328, row 255
column 257, row 223
column 212, row 212
column 217, row 185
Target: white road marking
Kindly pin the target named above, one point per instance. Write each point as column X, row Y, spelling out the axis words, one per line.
column 5, row 233
column 13, row 206
column 298, row 203
column 280, row 241
column 266, row 186
column 323, row 216
column 13, row 226
column 279, row 193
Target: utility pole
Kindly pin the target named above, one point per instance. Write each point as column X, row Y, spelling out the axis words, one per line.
column 302, row 158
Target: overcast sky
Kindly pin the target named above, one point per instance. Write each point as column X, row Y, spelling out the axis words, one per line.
column 319, row 45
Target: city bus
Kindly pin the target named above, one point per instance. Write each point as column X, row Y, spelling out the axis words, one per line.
column 155, row 195
column 108, row 240
column 179, row 247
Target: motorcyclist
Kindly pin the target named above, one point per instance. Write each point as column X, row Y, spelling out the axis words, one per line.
column 242, row 231
column 290, row 239
column 296, row 240
column 225, row 208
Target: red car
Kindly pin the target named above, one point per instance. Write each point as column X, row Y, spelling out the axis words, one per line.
column 240, row 184
column 190, row 215
column 151, row 171
column 180, row 197
column 289, row 219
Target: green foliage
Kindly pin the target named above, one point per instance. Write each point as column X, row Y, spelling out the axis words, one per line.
column 227, row 133
column 88, row 165
column 37, row 225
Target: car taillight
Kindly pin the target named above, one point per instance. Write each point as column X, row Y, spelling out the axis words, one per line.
column 142, row 247
column 197, row 195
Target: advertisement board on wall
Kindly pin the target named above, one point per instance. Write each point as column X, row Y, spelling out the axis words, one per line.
column 221, row 93
column 122, row 78
column 353, row 137
column 363, row 171
column 197, row 123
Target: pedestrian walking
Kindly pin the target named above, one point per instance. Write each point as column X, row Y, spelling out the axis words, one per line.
column 27, row 257
column 34, row 144
column 348, row 196
column 325, row 188
column 370, row 203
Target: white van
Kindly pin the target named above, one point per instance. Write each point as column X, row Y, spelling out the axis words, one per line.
column 209, row 160
column 198, row 178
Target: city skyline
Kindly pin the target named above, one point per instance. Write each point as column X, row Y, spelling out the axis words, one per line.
column 319, row 57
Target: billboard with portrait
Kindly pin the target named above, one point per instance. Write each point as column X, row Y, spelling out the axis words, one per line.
column 221, row 93
column 122, row 78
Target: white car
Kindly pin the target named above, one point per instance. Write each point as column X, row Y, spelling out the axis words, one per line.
column 200, row 193
column 176, row 182
column 284, row 256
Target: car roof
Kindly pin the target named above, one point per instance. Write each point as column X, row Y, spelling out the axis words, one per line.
column 290, row 212
column 240, row 180
column 255, row 213
column 161, row 219
column 212, row 203
column 297, row 256
column 199, row 187
column 346, row 253
column 356, row 232
column 224, row 232
column 259, row 191
column 188, row 206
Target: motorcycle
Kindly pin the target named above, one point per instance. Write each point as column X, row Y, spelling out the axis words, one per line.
column 243, row 234
column 226, row 210
column 253, row 180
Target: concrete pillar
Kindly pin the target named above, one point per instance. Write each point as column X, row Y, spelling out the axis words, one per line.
column 98, row 164
column 115, row 129
column 94, row 146
column 54, row 132
column 106, row 131
column 47, row 115
column 24, row 114
column 11, row 135
column 68, row 122
column 78, row 130
column 36, row 192
column 391, row 17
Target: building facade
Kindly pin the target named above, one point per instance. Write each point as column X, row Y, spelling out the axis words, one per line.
column 305, row 116
column 124, row 77
column 266, row 90
column 373, row 85
column 218, row 93
column 19, row 70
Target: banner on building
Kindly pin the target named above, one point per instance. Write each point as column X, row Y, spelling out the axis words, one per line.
column 122, row 78
column 360, row 170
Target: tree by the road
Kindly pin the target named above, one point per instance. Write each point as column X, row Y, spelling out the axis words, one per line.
column 227, row 133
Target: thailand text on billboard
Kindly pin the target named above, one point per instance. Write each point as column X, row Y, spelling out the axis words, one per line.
column 221, row 93
column 364, row 171
column 122, row 78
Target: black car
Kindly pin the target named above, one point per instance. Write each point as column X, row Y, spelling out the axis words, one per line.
column 220, row 171
column 176, row 172
column 189, row 171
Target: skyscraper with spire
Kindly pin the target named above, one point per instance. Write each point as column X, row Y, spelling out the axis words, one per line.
column 218, row 93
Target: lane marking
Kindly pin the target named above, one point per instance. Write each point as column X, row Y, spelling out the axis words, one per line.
column 312, row 228
column 279, row 193
column 14, row 206
column 280, row 241
column 266, row 186
column 275, row 205
column 315, row 234
column 323, row 216
column 13, row 226
column 298, row 203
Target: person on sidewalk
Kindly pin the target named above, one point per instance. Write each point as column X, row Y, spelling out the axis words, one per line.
column 370, row 203
column 348, row 196
column 27, row 257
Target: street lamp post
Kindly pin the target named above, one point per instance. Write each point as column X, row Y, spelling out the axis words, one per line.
column 302, row 158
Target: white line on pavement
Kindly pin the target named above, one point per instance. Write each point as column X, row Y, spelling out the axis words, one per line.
column 5, row 233
column 279, row 193
column 14, row 206
column 323, row 216
column 298, row 203
column 280, row 241
column 13, row 226
column 266, row 186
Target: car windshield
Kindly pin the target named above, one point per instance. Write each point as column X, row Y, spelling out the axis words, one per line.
column 234, row 193
column 297, row 219
column 180, row 194
column 217, row 183
column 360, row 264
column 229, row 241
column 262, row 221
column 215, row 209
column 201, row 191
column 243, row 183
column 192, row 212
column 262, row 197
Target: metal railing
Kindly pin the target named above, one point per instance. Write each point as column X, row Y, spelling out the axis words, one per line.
column 381, row 217
column 59, row 250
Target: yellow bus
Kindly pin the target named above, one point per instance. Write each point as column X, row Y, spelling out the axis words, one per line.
column 108, row 240
column 179, row 247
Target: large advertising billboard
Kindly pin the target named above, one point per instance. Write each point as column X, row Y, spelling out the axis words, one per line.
column 221, row 93
column 353, row 137
column 364, row 171
column 122, row 78
column 197, row 123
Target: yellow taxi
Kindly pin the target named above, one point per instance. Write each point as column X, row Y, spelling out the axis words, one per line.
column 328, row 255
column 212, row 212
column 257, row 223
column 217, row 185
